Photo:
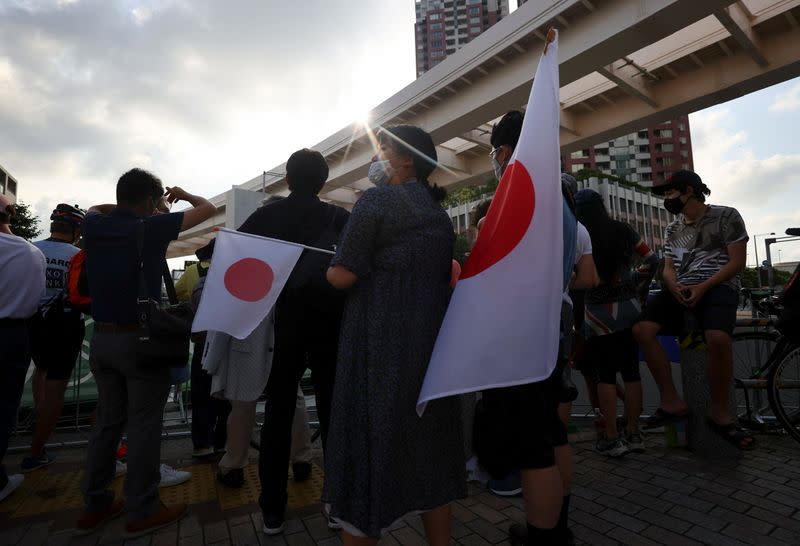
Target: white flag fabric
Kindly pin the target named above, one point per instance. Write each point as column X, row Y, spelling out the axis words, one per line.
column 246, row 276
column 502, row 326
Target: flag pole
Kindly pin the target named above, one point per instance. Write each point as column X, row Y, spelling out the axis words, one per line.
column 551, row 36
column 315, row 249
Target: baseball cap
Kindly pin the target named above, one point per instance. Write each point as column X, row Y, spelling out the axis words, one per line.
column 680, row 179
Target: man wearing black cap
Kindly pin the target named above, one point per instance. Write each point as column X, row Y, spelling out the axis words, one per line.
column 704, row 252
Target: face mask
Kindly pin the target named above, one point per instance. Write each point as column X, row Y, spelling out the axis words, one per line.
column 380, row 172
column 498, row 169
column 674, row 205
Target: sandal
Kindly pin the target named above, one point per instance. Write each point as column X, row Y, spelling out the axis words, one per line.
column 662, row 417
column 733, row 434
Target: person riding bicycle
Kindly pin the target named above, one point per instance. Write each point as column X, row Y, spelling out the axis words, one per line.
column 705, row 249
column 56, row 331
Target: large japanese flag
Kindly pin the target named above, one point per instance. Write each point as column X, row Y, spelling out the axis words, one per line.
column 246, row 276
column 502, row 325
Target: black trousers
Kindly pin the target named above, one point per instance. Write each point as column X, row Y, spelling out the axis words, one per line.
column 15, row 358
column 209, row 414
column 306, row 344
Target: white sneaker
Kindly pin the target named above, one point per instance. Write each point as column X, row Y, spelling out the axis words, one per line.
column 171, row 476
column 613, row 447
column 14, row 481
column 121, row 469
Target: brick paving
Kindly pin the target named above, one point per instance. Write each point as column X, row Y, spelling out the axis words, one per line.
column 663, row 496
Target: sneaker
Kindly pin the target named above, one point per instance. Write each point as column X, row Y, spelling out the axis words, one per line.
column 29, row 464
column 613, row 447
column 14, row 481
column 89, row 522
column 233, row 478
column 301, row 471
column 510, row 486
column 333, row 523
column 635, row 442
column 273, row 524
column 121, row 469
column 201, row 452
column 171, row 476
column 166, row 516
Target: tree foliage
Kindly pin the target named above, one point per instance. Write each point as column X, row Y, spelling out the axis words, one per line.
column 24, row 223
column 470, row 193
column 585, row 174
column 461, row 249
column 750, row 278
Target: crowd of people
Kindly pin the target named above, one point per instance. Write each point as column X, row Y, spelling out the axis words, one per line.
column 365, row 323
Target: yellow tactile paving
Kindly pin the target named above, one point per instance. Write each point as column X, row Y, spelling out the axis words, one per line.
column 54, row 492
column 44, row 492
column 307, row 492
column 12, row 503
column 233, row 498
column 201, row 488
column 300, row 494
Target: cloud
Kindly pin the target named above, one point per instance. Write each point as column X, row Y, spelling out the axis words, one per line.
column 787, row 101
column 206, row 94
column 765, row 190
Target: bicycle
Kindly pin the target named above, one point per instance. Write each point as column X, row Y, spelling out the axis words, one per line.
column 768, row 359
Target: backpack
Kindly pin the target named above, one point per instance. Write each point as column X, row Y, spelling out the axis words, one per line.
column 308, row 279
column 78, row 283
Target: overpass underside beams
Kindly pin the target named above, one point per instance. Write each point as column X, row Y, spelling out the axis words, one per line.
column 624, row 65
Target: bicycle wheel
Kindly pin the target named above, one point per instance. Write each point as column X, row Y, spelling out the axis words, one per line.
column 784, row 390
column 751, row 351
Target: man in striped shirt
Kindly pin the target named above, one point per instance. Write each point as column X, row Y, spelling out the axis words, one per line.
column 705, row 251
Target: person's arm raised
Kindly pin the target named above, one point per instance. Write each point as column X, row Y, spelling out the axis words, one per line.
column 202, row 209
column 101, row 209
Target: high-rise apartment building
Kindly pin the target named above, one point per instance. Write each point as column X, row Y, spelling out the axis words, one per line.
column 649, row 155
column 444, row 26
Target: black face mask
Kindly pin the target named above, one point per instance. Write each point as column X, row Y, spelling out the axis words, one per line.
column 674, row 205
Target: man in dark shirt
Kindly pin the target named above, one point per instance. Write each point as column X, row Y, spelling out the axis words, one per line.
column 129, row 391
column 306, row 324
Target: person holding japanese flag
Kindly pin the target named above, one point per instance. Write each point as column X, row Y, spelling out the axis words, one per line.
column 516, row 275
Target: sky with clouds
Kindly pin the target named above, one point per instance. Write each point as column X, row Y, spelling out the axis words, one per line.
column 208, row 94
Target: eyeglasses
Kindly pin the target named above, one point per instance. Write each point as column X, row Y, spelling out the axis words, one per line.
column 494, row 152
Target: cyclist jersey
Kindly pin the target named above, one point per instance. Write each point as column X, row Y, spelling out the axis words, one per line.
column 57, row 255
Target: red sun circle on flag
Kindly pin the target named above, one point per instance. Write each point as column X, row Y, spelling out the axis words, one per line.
column 249, row 279
column 514, row 202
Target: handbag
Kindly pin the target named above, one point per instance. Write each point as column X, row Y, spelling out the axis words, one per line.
column 164, row 331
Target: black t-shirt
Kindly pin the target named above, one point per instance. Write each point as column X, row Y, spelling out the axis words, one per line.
column 300, row 218
column 112, row 260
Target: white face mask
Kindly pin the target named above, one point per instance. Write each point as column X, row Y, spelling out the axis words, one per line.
column 498, row 169
column 380, row 172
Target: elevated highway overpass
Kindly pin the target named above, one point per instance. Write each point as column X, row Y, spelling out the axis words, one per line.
column 624, row 64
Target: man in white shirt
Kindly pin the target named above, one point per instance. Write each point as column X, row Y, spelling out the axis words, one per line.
column 22, row 268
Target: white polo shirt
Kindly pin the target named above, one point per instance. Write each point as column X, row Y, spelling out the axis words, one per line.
column 22, row 282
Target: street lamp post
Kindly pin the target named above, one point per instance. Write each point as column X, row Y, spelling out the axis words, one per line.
column 755, row 244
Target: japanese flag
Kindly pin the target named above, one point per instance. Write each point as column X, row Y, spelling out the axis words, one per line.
column 246, row 276
column 502, row 326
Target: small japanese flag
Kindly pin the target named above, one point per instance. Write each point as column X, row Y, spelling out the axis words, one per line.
column 246, row 277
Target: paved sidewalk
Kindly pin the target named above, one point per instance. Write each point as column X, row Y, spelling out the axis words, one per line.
column 664, row 496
